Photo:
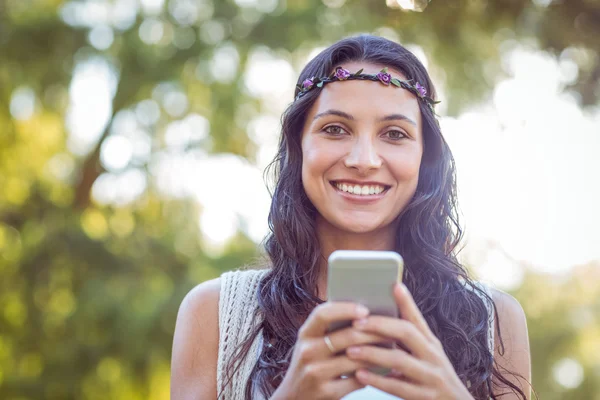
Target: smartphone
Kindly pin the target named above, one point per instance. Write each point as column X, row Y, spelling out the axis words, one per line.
column 365, row 277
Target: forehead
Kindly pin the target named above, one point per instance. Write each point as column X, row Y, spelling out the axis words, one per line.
column 368, row 99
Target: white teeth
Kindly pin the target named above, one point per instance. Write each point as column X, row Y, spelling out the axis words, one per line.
column 360, row 190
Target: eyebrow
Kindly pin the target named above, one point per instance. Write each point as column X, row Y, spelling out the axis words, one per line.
column 391, row 117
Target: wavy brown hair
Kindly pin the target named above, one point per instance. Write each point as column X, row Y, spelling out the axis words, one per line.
column 427, row 236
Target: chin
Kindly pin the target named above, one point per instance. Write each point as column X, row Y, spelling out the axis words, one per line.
column 358, row 226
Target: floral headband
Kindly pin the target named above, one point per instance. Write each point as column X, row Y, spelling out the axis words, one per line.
column 341, row 74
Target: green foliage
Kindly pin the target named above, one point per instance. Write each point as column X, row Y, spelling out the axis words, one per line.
column 562, row 317
column 89, row 292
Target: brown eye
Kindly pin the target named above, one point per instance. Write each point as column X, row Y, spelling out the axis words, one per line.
column 395, row 135
column 335, row 130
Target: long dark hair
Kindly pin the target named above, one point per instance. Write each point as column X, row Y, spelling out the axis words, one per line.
column 428, row 233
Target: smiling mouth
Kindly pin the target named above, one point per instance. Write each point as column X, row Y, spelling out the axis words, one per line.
column 361, row 190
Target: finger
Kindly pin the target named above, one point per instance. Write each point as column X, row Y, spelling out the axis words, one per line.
column 409, row 310
column 396, row 359
column 403, row 389
column 347, row 337
column 401, row 330
column 334, row 367
column 324, row 314
column 340, row 387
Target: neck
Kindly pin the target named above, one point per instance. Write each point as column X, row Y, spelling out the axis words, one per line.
column 332, row 238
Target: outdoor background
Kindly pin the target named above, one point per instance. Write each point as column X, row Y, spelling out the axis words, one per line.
column 133, row 135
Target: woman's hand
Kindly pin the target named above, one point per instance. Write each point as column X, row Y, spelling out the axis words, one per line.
column 315, row 369
column 425, row 374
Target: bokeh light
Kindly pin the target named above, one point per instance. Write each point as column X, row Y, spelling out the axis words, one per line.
column 568, row 373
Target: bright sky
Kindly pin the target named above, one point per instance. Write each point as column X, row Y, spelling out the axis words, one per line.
column 527, row 159
column 528, row 171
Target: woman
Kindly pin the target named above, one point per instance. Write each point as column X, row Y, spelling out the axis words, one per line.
column 362, row 164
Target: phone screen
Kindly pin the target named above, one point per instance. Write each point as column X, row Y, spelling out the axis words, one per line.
column 367, row 278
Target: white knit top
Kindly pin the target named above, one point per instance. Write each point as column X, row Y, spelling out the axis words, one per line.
column 237, row 307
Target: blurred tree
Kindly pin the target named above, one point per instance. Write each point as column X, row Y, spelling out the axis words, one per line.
column 564, row 329
column 90, row 289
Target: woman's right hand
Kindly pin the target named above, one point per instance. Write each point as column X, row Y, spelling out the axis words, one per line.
column 315, row 371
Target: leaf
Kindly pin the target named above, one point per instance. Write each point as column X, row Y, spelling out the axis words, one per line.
column 359, row 71
column 396, row 82
column 320, row 84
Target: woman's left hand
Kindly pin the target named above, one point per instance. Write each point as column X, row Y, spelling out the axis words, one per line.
column 427, row 373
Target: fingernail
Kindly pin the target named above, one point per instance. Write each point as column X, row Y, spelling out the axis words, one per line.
column 362, row 374
column 353, row 351
column 361, row 311
column 360, row 323
column 403, row 288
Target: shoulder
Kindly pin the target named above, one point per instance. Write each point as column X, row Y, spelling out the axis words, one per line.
column 513, row 353
column 208, row 307
column 507, row 306
column 196, row 343
column 509, row 309
column 201, row 302
column 511, row 317
column 200, row 307
column 203, row 294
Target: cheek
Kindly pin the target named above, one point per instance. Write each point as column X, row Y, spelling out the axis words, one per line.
column 310, row 166
column 317, row 157
column 410, row 169
column 406, row 168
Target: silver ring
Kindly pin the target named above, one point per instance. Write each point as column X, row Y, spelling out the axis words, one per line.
column 329, row 344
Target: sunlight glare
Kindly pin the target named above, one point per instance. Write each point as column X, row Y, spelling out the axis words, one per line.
column 222, row 184
column 119, row 189
column 92, row 89
column 152, row 7
column 189, row 131
column 218, row 225
column 499, row 270
column 116, row 152
column 524, row 177
column 568, row 373
column 151, row 31
column 147, row 112
column 268, row 75
column 22, row 103
column 101, row 37
column 224, row 63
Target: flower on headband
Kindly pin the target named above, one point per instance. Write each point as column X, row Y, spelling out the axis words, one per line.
column 341, row 73
column 384, row 77
column 422, row 91
column 307, row 84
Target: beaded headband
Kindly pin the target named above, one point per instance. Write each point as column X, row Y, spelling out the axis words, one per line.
column 341, row 74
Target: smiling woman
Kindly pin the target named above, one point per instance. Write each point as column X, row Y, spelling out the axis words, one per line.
column 362, row 164
column 363, row 136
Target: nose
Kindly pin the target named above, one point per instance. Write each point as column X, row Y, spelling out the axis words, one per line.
column 363, row 156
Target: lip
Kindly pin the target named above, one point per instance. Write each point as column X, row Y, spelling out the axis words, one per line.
column 361, row 183
column 358, row 198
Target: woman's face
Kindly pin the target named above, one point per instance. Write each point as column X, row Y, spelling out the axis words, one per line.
column 361, row 151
